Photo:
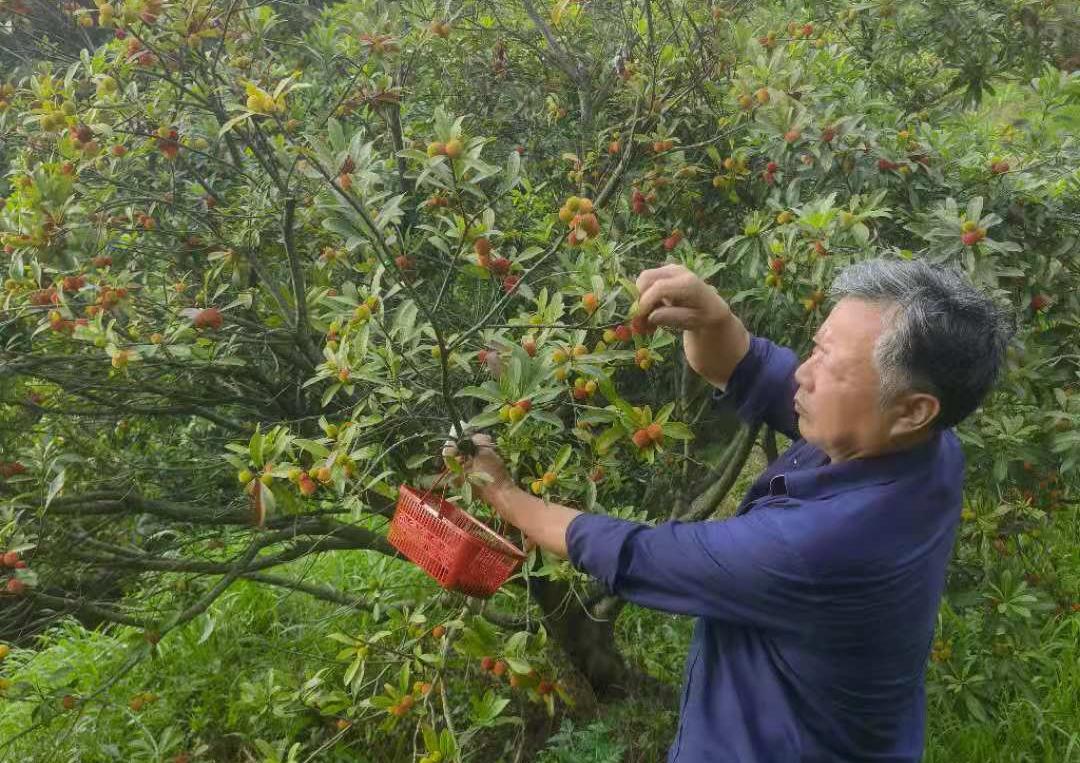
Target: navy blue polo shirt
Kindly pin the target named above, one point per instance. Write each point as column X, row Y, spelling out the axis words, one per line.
column 816, row 602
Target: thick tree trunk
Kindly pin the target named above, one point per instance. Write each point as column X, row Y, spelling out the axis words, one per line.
column 589, row 644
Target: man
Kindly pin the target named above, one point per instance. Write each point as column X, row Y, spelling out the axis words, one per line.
column 816, row 603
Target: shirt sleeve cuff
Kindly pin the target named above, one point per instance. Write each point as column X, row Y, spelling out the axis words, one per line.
column 741, row 380
column 595, row 542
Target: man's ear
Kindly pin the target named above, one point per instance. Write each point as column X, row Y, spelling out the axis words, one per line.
column 915, row 413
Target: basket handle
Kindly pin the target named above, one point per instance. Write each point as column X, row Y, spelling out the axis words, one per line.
column 427, row 494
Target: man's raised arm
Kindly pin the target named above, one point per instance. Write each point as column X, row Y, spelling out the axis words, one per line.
column 714, row 338
column 756, row 375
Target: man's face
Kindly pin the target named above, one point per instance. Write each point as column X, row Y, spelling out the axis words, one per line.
column 838, row 396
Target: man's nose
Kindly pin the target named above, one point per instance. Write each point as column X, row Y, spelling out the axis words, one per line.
column 802, row 375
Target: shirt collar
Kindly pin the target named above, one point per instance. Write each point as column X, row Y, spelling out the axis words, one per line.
column 830, row 477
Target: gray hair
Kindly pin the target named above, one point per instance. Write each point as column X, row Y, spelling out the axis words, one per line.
column 946, row 337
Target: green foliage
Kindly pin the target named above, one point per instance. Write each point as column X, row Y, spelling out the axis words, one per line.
column 245, row 300
column 593, row 744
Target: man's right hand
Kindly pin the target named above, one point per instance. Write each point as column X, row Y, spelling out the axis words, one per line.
column 714, row 339
column 674, row 297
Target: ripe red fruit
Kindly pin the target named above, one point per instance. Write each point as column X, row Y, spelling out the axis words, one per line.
column 808, row 30
column 673, row 240
column 486, row 663
column 525, row 405
column 510, row 283
column 614, row 147
column 792, row 135
column 828, row 134
column 499, row 668
column 15, row 587
column 590, row 303
column 68, row 702
column 970, row 238
column 481, row 357
column 641, row 439
column 885, row 165
column 482, row 247
column 655, row 432
column 307, row 485
column 438, row 631
column 500, row 266
column 72, row 283
column 776, row 265
column 545, row 687
column 403, row 262
column 639, row 326
column 1039, row 302
column 772, row 167
column 999, row 168
column 210, row 318
column 623, row 333
column 11, row 558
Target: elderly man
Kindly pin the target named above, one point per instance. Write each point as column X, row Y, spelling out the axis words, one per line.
column 816, row 602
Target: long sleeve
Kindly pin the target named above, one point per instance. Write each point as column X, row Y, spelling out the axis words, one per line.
column 763, row 386
column 739, row 570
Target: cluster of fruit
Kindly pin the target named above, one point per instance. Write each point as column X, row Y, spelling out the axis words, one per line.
column 9, row 469
column 168, row 142
column 141, row 700
column 515, row 412
column 405, row 704
column 5, row 683
column 639, row 201
column 11, row 560
column 649, row 436
column 451, row 149
column 547, row 480
column 499, row 668
column 579, row 216
column 971, row 233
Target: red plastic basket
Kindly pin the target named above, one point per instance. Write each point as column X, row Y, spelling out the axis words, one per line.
column 458, row 551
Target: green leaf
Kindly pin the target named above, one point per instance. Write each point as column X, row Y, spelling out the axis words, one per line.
column 608, row 438
column 234, row 121
column 518, row 665
column 318, row 450
column 677, row 430
column 562, row 458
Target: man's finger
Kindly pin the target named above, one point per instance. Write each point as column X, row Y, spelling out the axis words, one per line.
column 648, row 277
column 665, row 291
column 672, row 317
